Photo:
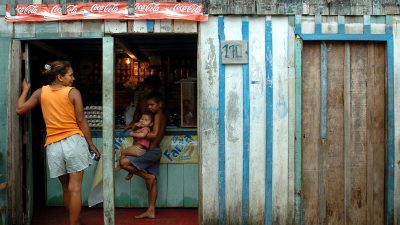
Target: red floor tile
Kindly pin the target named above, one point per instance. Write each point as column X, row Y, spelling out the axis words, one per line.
column 123, row 216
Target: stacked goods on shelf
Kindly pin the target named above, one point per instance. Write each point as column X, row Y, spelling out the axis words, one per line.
column 94, row 116
column 131, row 73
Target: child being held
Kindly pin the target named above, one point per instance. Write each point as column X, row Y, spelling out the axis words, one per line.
column 139, row 133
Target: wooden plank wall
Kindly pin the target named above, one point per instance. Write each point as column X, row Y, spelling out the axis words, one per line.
column 15, row 158
column 5, row 44
column 229, row 184
column 306, row 7
column 343, row 144
column 269, row 7
column 216, row 197
column 396, row 63
column 216, row 138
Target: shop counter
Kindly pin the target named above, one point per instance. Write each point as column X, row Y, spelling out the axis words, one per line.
column 177, row 181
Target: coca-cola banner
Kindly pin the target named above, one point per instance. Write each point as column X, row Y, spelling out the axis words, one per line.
column 107, row 11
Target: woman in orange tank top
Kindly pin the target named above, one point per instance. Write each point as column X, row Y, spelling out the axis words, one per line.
column 68, row 138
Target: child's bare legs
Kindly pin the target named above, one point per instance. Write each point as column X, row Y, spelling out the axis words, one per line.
column 134, row 151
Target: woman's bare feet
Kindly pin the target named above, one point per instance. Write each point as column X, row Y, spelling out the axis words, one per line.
column 150, row 213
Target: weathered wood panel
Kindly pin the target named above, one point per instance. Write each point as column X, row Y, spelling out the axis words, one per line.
column 47, row 30
column 310, row 126
column 190, row 185
column 139, row 26
column 280, row 29
column 108, row 132
column 208, row 67
column 376, row 135
column 271, row 7
column 92, row 29
column 291, row 120
column 257, row 147
column 396, row 63
column 163, row 26
column 233, row 129
column 70, row 29
column 358, row 160
column 329, row 25
column 334, row 142
column 162, row 187
column 346, row 168
column 115, row 27
column 5, row 28
column 15, row 164
column 2, row 7
column 368, row 135
column 182, row 26
column 5, row 45
column 306, row 7
column 175, row 185
column 24, row 30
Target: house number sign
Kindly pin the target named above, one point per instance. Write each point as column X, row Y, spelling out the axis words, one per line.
column 234, row 52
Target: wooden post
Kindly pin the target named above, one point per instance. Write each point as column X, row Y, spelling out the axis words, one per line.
column 28, row 148
column 108, row 130
column 298, row 138
column 4, row 132
column 15, row 165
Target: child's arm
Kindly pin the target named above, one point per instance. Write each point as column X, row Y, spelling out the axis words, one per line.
column 140, row 133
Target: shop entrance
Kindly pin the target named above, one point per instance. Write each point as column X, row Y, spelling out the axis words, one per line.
column 173, row 59
column 343, row 126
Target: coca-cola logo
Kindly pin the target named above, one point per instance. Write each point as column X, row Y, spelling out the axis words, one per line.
column 30, row 9
column 193, row 8
column 151, row 7
column 109, row 8
column 71, row 9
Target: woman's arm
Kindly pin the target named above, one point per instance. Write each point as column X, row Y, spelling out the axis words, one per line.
column 23, row 105
column 76, row 99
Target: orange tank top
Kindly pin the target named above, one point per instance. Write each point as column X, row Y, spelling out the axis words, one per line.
column 58, row 113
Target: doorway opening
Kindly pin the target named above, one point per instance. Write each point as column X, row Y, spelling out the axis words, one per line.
column 170, row 57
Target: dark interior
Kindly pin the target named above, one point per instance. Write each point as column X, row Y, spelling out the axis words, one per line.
column 86, row 58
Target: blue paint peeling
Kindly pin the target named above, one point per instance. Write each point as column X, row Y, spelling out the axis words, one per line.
column 246, row 128
column 221, row 127
column 270, row 110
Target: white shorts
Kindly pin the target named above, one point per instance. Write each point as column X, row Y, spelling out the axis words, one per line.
column 68, row 155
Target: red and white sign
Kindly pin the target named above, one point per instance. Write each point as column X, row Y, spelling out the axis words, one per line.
column 107, row 11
